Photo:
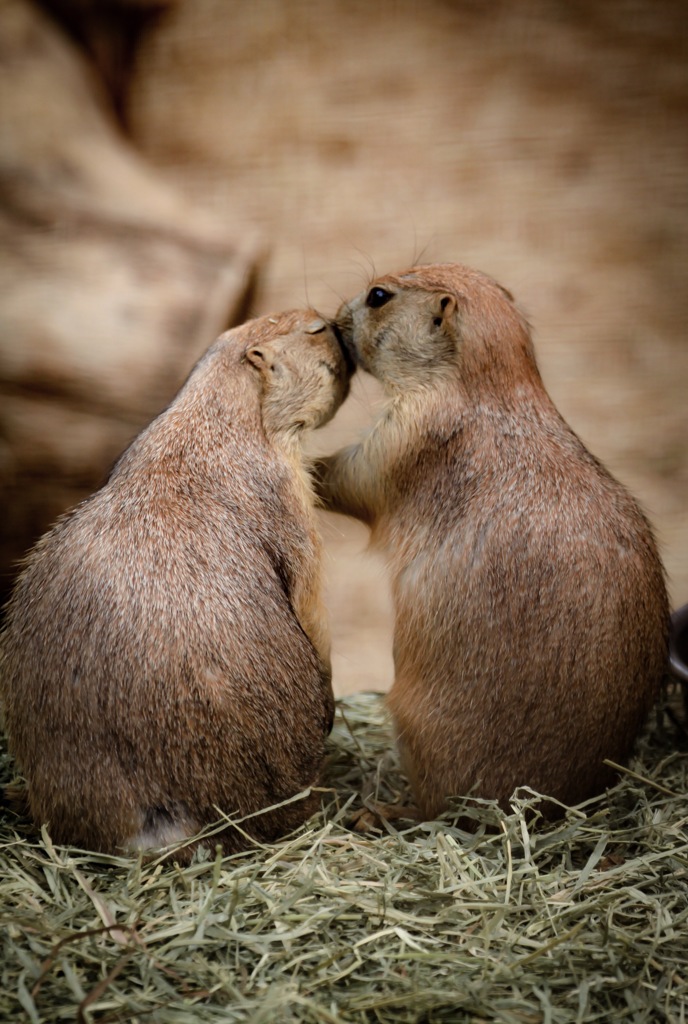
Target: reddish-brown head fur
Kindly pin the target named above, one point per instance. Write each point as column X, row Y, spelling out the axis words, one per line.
column 461, row 326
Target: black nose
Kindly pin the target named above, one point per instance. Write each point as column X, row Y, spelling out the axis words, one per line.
column 345, row 344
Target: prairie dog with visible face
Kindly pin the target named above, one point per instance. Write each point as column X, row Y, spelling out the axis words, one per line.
column 165, row 656
column 531, row 610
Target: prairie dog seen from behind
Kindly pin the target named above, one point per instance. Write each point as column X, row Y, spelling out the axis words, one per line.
column 531, row 613
column 166, row 654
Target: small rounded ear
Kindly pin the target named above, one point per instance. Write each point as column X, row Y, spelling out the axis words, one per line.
column 445, row 308
column 259, row 356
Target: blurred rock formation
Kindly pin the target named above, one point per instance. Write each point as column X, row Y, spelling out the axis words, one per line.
column 112, row 285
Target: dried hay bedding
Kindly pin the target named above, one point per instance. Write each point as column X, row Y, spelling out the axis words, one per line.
column 582, row 920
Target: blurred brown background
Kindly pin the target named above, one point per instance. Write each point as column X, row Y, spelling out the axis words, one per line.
column 167, row 168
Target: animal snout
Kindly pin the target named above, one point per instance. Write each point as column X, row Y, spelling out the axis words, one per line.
column 343, row 329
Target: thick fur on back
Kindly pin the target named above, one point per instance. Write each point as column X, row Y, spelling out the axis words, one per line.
column 165, row 656
column 531, row 609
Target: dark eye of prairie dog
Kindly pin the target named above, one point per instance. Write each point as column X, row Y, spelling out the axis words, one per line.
column 378, row 297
